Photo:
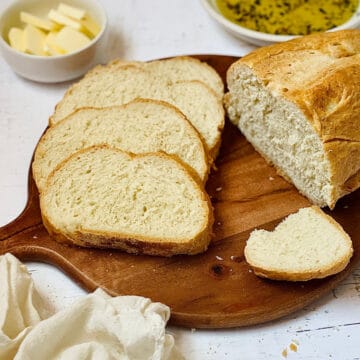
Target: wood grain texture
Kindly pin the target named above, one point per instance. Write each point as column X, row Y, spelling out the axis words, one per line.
column 213, row 290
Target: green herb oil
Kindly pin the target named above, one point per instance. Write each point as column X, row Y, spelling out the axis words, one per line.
column 294, row 17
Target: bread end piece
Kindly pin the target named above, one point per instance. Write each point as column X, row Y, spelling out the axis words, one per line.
column 306, row 245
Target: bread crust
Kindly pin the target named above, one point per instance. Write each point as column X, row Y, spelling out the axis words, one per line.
column 320, row 273
column 138, row 244
column 320, row 74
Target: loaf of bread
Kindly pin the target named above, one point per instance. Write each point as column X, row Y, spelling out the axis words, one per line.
column 140, row 126
column 183, row 68
column 119, row 83
column 144, row 204
column 298, row 103
column 306, row 245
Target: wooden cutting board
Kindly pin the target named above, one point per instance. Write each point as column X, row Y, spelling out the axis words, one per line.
column 213, row 290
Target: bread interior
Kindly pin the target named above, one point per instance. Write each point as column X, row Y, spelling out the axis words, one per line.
column 280, row 132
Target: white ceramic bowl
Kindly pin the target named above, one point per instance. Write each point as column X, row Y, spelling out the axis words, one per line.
column 259, row 38
column 51, row 68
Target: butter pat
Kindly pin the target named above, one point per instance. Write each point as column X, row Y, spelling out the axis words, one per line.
column 71, row 40
column 90, row 26
column 16, row 39
column 34, row 40
column 37, row 22
column 62, row 19
column 71, row 11
column 51, row 46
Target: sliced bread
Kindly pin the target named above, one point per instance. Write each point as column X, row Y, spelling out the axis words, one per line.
column 183, row 68
column 117, row 84
column 144, row 204
column 306, row 245
column 298, row 103
column 140, row 126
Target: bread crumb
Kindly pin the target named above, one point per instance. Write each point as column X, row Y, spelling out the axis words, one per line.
column 346, row 206
column 250, row 271
column 284, row 353
column 271, row 178
column 218, row 189
column 293, row 347
column 219, row 258
column 35, row 237
column 218, row 223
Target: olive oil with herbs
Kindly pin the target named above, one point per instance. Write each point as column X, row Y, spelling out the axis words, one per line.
column 289, row 17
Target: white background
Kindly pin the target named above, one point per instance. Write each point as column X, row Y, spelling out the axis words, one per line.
column 143, row 30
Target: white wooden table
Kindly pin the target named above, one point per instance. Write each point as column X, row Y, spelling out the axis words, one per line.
column 143, row 30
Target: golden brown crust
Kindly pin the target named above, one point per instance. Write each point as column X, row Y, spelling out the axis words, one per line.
column 274, row 275
column 319, row 73
column 140, row 244
column 166, row 248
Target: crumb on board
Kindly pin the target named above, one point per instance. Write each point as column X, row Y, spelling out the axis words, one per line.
column 219, row 258
column 292, row 347
column 271, row 178
column 218, row 189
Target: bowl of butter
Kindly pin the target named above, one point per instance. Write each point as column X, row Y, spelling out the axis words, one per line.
column 52, row 40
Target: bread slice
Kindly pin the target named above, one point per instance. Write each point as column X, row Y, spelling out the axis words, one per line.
column 183, row 68
column 144, row 204
column 117, row 84
column 298, row 103
column 140, row 126
column 306, row 245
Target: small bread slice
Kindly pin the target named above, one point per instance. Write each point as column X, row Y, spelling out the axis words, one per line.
column 118, row 84
column 140, row 126
column 306, row 245
column 183, row 68
column 145, row 204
